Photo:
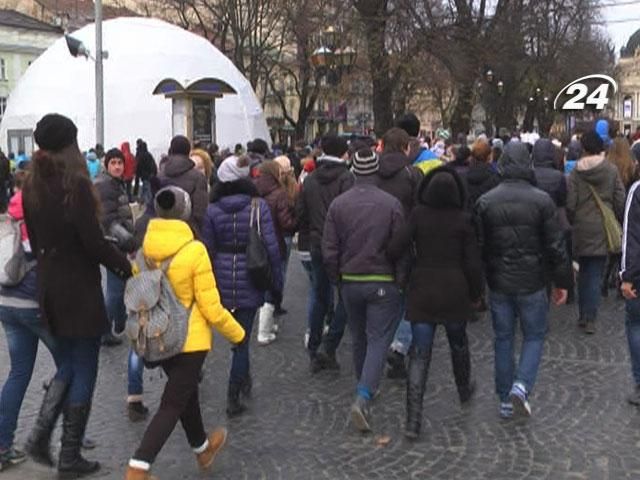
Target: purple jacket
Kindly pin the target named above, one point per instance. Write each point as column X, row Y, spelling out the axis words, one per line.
column 225, row 232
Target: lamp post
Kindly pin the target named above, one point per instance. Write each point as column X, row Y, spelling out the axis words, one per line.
column 332, row 60
column 77, row 48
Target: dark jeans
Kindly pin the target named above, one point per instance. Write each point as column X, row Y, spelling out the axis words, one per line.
column 23, row 331
column 322, row 299
column 79, row 367
column 589, row 284
column 311, row 295
column 240, row 364
column 373, row 313
column 423, row 333
column 179, row 401
column 532, row 310
column 632, row 327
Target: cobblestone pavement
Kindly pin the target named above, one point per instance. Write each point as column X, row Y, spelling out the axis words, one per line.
column 297, row 426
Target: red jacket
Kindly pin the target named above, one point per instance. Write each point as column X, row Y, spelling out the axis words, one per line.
column 129, row 162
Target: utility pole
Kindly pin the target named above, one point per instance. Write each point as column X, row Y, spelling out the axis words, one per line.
column 99, row 75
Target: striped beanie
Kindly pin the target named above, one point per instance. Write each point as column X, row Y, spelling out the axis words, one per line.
column 365, row 162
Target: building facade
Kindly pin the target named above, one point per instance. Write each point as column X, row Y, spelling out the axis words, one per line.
column 627, row 105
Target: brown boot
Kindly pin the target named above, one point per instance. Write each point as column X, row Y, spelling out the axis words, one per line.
column 138, row 474
column 217, row 439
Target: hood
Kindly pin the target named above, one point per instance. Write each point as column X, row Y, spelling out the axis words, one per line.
column 15, row 209
column 233, row 196
column 589, row 162
column 574, row 150
column 544, row 153
column 177, row 165
column 635, row 150
column 125, row 148
column 92, row 157
column 164, row 238
column 602, row 129
column 141, row 147
column 594, row 170
column 515, row 162
column 479, row 174
column 266, row 184
column 442, row 188
column 329, row 170
column 391, row 163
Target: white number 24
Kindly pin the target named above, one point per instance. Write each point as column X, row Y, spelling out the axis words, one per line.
column 598, row 98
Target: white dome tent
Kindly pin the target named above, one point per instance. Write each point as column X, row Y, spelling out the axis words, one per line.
column 142, row 52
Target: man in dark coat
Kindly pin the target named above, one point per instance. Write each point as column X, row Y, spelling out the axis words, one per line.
column 354, row 251
column 522, row 245
column 146, row 169
column 330, row 178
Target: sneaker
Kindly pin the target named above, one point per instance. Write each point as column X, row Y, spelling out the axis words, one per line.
column 360, row 414
column 307, row 334
column 137, row 411
column 506, row 410
column 590, row 327
column 215, row 442
column 634, row 398
column 11, row 457
column 519, row 400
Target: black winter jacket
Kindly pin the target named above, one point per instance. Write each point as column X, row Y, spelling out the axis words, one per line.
column 145, row 164
column 520, row 237
column 399, row 178
column 330, row 178
column 115, row 214
column 630, row 271
column 179, row 171
column 480, row 179
column 548, row 178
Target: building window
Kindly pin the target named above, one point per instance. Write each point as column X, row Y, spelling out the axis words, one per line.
column 3, row 69
column 3, row 105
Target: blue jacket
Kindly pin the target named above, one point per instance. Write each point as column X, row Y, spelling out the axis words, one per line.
column 225, row 232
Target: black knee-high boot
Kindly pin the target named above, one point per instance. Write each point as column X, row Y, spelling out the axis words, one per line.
column 71, row 464
column 419, row 360
column 461, row 360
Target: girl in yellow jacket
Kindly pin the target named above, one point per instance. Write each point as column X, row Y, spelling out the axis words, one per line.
column 193, row 282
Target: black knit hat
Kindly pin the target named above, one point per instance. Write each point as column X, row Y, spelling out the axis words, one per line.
column 55, row 132
column 180, row 145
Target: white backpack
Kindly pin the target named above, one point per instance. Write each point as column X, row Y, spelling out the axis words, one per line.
column 13, row 259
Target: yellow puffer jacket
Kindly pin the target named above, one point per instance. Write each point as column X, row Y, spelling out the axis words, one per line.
column 192, row 279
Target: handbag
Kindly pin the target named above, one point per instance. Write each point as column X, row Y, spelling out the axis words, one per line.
column 258, row 264
column 612, row 228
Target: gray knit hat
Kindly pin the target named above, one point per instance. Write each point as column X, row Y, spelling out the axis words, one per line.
column 173, row 203
column 233, row 168
column 365, row 162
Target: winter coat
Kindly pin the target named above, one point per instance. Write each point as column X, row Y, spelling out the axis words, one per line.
column 481, row 178
column 115, row 211
column 282, row 213
column 179, row 171
column 548, row 178
column 5, row 170
column 399, row 178
column 225, row 232
column 330, row 178
column 518, row 231
column 355, row 241
column 630, row 264
column 70, row 248
column 145, row 164
column 129, row 162
column 589, row 237
column 193, row 282
column 447, row 276
column 94, row 166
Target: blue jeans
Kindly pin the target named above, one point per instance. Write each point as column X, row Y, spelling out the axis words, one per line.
column 311, row 296
column 423, row 334
column 632, row 327
column 114, row 301
column 135, row 371
column 321, row 303
column 532, row 310
column 23, row 330
column 78, row 367
column 240, row 365
column 373, row 314
column 589, row 283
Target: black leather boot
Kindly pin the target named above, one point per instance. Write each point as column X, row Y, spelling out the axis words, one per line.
column 419, row 360
column 234, row 405
column 38, row 445
column 71, row 464
column 461, row 360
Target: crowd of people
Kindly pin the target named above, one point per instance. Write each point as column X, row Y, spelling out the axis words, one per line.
column 507, row 225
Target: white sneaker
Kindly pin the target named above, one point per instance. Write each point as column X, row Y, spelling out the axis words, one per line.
column 266, row 333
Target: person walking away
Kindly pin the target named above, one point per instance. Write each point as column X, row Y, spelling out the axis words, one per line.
column 481, row 176
column 354, row 248
column 117, row 221
column 593, row 175
column 523, row 249
column 203, row 164
column 170, row 240
column 130, row 168
column 20, row 320
column 146, row 169
column 60, row 208
column 445, row 284
column 5, row 176
column 330, row 179
column 399, row 178
column 93, row 165
column 225, row 232
column 621, row 156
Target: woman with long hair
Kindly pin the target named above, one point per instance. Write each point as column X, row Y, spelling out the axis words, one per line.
column 60, row 209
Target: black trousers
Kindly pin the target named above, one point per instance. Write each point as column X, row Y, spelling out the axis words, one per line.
column 179, row 402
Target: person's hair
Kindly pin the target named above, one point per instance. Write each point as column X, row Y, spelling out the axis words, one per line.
column 395, row 140
column 206, row 161
column 111, row 154
column 620, row 155
column 481, row 151
column 19, row 178
column 66, row 166
column 334, row 145
column 410, row 124
column 592, row 143
column 286, row 181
